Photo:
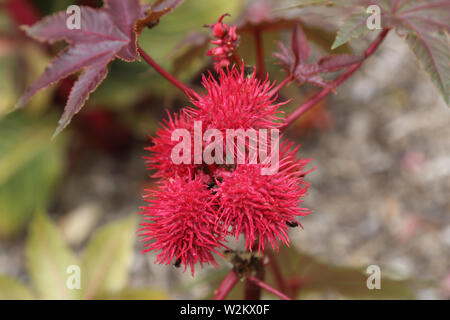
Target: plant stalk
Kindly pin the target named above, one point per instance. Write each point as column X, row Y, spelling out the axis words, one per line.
column 277, row 273
column 326, row 91
column 268, row 288
column 165, row 74
column 252, row 289
column 225, row 287
column 259, row 53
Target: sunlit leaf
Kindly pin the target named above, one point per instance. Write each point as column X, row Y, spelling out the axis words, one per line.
column 107, row 258
column 353, row 27
column 30, row 165
column 48, row 259
column 11, row 289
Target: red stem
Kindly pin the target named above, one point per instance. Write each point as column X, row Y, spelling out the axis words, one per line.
column 165, row 74
column 268, row 288
column 251, row 290
column 396, row 5
column 225, row 287
column 259, row 53
column 326, row 91
column 276, row 272
column 237, row 60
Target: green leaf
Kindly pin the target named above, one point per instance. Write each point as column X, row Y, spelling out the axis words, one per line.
column 323, row 38
column 107, row 259
column 30, row 165
column 433, row 54
column 48, row 258
column 317, row 276
column 352, row 27
column 11, row 289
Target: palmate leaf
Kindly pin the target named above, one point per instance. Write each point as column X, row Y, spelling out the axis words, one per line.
column 105, row 34
column 48, row 258
column 107, row 258
column 424, row 24
column 354, row 26
column 433, row 55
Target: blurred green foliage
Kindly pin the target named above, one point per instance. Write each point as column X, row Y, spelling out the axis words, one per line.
column 104, row 265
column 30, row 167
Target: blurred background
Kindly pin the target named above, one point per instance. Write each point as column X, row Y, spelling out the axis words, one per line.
column 380, row 194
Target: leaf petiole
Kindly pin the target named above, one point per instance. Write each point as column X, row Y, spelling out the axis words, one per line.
column 177, row 83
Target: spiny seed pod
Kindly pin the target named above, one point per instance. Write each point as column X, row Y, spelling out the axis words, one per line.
column 180, row 223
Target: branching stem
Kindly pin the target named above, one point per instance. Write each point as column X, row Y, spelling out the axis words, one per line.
column 276, row 272
column 165, row 74
column 268, row 288
column 281, row 85
column 326, row 91
column 227, row 284
column 259, row 53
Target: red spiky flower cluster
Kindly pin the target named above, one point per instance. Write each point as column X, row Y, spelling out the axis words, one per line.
column 261, row 207
column 196, row 206
column 182, row 220
column 226, row 40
